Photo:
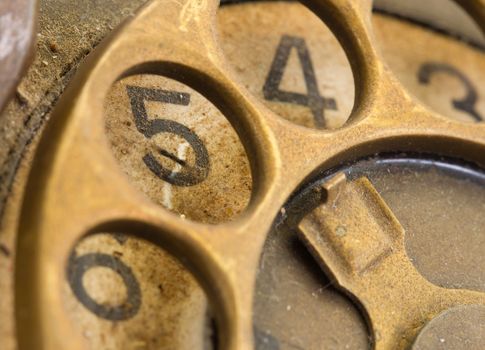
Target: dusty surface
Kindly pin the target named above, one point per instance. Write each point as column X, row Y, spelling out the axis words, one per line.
column 454, row 70
column 296, row 306
column 441, row 212
column 224, row 186
column 457, row 329
column 251, row 43
column 159, row 305
column 175, row 315
column 68, row 31
column 442, row 216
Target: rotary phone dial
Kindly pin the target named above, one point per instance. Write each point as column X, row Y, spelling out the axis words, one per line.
column 241, row 176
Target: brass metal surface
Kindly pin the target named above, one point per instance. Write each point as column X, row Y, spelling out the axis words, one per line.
column 359, row 242
column 459, row 327
column 76, row 188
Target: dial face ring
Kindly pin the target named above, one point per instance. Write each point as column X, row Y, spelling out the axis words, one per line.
column 74, row 187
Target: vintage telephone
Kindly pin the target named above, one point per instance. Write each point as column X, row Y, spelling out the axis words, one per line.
column 184, row 174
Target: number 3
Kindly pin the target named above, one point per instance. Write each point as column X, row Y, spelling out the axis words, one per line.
column 466, row 104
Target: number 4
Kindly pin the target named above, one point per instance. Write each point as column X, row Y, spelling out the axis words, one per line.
column 313, row 100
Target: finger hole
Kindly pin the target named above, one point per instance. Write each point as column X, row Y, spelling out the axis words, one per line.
column 437, row 52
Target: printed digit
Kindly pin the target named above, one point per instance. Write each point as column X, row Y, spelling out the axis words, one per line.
column 467, row 103
column 189, row 175
column 313, row 99
column 78, row 266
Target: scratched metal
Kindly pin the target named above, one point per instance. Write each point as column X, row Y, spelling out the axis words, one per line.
column 185, row 27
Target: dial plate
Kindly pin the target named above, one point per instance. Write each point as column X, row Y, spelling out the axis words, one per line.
column 438, row 203
column 318, row 94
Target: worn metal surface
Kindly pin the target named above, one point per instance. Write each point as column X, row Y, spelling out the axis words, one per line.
column 439, row 203
column 17, row 30
column 459, row 328
column 359, row 242
column 67, row 32
column 78, row 189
